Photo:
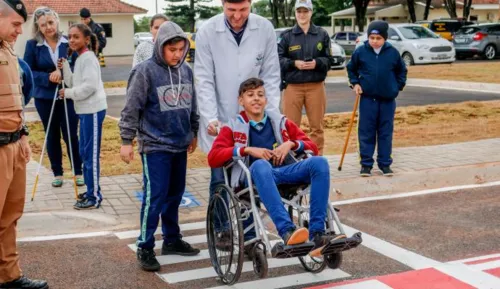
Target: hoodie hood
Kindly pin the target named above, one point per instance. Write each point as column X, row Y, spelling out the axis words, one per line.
column 169, row 30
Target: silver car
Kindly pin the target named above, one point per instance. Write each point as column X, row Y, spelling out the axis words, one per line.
column 482, row 39
column 346, row 39
column 418, row 45
column 142, row 36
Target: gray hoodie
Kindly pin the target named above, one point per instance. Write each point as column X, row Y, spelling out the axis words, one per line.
column 161, row 103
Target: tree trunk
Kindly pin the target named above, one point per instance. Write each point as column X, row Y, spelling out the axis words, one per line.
column 467, row 7
column 451, row 7
column 411, row 10
column 274, row 12
column 427, row 8
column 360, row 6
column 282, row 12
column 192, row 15
column 291, row 9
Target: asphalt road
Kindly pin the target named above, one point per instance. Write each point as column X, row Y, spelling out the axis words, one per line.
column 340, row 98
column 439, row 227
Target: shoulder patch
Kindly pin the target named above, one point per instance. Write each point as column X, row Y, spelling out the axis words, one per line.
column 319, row 46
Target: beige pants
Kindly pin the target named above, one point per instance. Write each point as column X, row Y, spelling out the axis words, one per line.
column 313, row 97
column 12, row 195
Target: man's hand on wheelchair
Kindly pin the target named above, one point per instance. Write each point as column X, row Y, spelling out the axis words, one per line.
column 280, row 153
column 259, row 153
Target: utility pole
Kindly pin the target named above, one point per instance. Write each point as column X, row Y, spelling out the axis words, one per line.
column 156, row 4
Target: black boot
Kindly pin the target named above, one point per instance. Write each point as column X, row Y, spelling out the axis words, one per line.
column 147, row 259
column 179, row 247
column 25, row 283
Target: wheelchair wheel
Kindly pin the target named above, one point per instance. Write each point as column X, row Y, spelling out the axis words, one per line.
column 259, row 259
column 225, row 235
column 311, row 264
column 334, row 261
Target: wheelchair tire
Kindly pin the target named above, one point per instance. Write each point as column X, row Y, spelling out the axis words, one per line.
column 259, row 259
column 223, row 208
column 310, row 264
column 334, row 261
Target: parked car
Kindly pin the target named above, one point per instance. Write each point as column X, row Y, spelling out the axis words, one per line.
column 346, row 39
column 417, row 44
column 425, row 23
column 482, row 39
column 338, row 54
column 446, row 28
column 142, row 36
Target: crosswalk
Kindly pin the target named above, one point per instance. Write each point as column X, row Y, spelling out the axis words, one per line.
column 190, row 275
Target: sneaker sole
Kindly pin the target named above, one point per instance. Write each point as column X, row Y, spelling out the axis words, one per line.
column 150, row 269
column 180, row 253
column 389, row 175
column 85, row 209
column 300, row 236
column 317, row 252
column 365, row 175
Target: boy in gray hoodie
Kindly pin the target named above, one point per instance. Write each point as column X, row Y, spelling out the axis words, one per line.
column 161, row 109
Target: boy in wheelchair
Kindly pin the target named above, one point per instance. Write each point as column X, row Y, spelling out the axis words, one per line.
column 267, row 140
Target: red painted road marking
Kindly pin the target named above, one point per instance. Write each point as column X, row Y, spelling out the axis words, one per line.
column 429, row 278
column 482, row 261
column 495, row 272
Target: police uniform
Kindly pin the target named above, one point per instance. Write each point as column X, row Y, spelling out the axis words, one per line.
column 12, row 163
column 305, row 87
column 98, row 30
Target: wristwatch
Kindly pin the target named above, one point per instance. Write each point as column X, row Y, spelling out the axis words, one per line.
column 24, row 130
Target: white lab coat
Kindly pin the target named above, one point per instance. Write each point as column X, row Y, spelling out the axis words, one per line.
column 221, row 66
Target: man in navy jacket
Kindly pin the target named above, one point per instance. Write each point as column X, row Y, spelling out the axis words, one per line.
column 377, row 73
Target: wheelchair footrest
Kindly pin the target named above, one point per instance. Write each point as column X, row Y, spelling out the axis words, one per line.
column 281, row 251
column 340, row 245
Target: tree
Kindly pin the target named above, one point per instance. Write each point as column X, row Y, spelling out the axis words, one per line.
column 142, row 25
column 467, row 7
column 451, row 7
column 185, row 14
column 320, row 16
column 411, row 10
column 361, row 7
column 427, row 8
column 262, row 8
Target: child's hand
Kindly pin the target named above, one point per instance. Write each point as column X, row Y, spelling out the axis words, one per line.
column 127, row 153
column 193, row 145
column 281, row 152
column 259, row 153
column 213, row 128
column 61, row 93
column 357, row 89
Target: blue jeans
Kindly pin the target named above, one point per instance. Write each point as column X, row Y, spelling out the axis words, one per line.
column 314, row 171
column 220, row 223
column 164, row 184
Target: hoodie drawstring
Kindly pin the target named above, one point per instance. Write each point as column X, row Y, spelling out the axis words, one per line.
column 176, row 97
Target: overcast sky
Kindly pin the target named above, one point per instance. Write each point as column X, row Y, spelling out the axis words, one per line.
column 150, row 5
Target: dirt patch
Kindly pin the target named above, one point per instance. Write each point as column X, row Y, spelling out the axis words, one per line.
column 414, row 126
column 115, row 84
column 474, row 72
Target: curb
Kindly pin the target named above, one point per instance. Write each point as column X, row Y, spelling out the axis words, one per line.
column 440, row 84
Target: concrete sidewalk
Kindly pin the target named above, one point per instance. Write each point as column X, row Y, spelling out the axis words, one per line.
column 416, row 168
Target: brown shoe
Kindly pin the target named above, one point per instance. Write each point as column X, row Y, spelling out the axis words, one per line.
column 320, row 242
column 299, row 236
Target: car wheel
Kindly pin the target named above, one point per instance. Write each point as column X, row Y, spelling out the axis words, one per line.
column 490, row 52
column 408, row 59
column 461, row 57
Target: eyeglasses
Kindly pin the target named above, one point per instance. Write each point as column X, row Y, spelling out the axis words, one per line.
column 42, row 11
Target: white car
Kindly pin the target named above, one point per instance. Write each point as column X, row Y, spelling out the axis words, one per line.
column 338, row 54
column 142, row 36
column 417, row 44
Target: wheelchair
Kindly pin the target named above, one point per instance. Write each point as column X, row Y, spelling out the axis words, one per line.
column 229, row 208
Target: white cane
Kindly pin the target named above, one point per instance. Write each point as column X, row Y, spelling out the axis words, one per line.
column 69, row 140
column 44, row 145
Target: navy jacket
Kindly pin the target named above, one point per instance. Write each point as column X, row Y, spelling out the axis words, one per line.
column 27, row 81
column 41, row 64
column 381, row 76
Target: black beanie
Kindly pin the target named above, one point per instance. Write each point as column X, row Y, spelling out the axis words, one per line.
column 85, row 13
column 378, row 27
column 19, row 7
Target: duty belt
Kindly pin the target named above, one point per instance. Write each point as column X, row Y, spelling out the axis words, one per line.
column 9, row 137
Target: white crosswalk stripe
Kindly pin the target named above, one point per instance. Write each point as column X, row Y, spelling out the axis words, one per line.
column 209, row 273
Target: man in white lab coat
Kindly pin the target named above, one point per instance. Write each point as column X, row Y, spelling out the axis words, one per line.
column 230, row 48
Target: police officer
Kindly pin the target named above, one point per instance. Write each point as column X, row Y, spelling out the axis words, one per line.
column 305, row 59
column 14, row 148
column 98, row 30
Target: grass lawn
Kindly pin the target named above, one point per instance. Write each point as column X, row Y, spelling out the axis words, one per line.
column 474, row 72
column 414, row 126
column 114, row 84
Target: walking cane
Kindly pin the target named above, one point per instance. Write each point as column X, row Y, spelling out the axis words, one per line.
column 44, row 145
column 355, row 108
column 69, row 140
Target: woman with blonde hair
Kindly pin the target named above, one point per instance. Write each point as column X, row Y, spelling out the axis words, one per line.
column 42, row 54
